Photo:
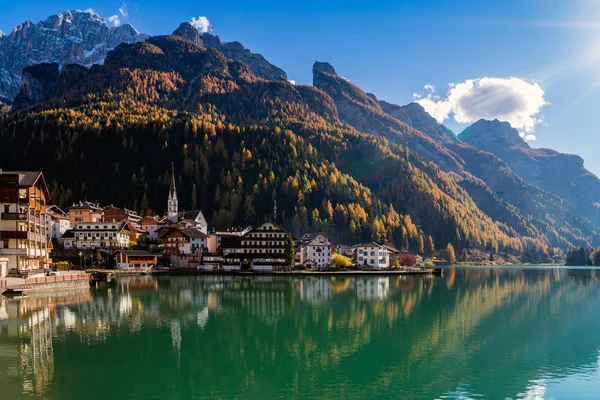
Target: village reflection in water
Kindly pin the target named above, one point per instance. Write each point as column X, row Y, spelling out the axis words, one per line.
column 483, row 332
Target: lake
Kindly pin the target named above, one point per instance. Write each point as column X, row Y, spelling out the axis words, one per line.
column 490, row 333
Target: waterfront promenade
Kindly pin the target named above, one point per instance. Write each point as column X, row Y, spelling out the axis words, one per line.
column 40, row 282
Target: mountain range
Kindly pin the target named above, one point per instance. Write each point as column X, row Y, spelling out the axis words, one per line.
column 335, row 158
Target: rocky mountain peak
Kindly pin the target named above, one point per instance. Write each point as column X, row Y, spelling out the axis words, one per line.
column 188, row 32
column 38, row 80
column 70, row 37
column 232, row 50
column 323, row 67
column 487, row 135
column 415, row 115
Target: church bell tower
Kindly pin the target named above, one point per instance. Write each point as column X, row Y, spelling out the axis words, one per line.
column 172, row 206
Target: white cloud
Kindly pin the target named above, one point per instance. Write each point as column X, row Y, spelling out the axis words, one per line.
column 114, row 19
column 1, row 33
column 201, row 23
column 528, row 136
column 123, row 10
column 90, row 10
column 507, row 99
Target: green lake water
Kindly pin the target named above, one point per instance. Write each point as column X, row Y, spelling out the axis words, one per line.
column 500, row 333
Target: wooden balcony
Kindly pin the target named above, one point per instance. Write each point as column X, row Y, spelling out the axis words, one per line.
column 13, row 235
column 14, row 216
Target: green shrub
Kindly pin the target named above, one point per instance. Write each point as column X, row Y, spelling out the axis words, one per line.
column 60, row 266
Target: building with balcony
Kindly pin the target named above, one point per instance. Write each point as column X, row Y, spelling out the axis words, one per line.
column 135, row 259
column 184, row 241
column 116, row 214
column 315, row 250
column 85, row 211
column 373, row 255
column 23, row 237
column 262, row 248
column 94, row 235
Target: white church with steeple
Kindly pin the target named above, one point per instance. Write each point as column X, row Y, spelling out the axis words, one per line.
column 189, row 219
column 172, row 205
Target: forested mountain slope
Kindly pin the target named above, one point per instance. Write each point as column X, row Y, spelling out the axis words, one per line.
column 239, row 142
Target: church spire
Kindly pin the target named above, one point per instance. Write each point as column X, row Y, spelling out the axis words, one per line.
column 172, row 206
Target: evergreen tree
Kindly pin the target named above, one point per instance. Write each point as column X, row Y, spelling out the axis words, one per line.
column 429, row 246
column 449, row 254
column 290, row 251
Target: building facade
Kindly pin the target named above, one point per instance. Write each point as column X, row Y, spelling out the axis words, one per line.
column 94, row 235
column 117, row 214
column 193, row 219
column 57, row 223
column 262, row 248
column 85, row 211
column 23, row 237
column 184, row 241
column 373, row 255
column 315, row 250
column 135, row 259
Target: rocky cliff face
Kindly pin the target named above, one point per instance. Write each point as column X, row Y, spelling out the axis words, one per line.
column 558, row 173
column 415, row 115
column 234, row 51
column 363, row 111
column 37, row 80
column 71, row 37
column 488, row 135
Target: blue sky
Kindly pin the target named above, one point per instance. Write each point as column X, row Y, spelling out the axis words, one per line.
column 395, row 48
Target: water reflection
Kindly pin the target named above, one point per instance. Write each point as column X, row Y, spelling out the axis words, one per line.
column 490, row 333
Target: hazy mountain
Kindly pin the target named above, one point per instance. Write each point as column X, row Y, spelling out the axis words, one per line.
column 558, row 173
column 492, row 185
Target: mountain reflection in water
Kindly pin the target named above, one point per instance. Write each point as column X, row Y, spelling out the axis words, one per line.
column 475, row 332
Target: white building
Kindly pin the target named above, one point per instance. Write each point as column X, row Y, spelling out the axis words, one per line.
column 151, row 225
column 193, row 219
column 57, row 223
column 373, row 255
column 92, row 235
column 184, row 241
column 315, row 250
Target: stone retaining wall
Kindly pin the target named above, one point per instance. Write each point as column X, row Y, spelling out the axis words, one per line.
column 57, row 283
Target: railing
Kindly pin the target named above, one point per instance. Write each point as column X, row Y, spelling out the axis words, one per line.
column 57, row 279
column 14, row 216
column 13, row 235
column 13, row 252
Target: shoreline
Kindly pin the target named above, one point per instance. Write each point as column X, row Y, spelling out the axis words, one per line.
column 175, row 272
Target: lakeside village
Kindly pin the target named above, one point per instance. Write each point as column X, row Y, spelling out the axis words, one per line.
column 37, row 238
